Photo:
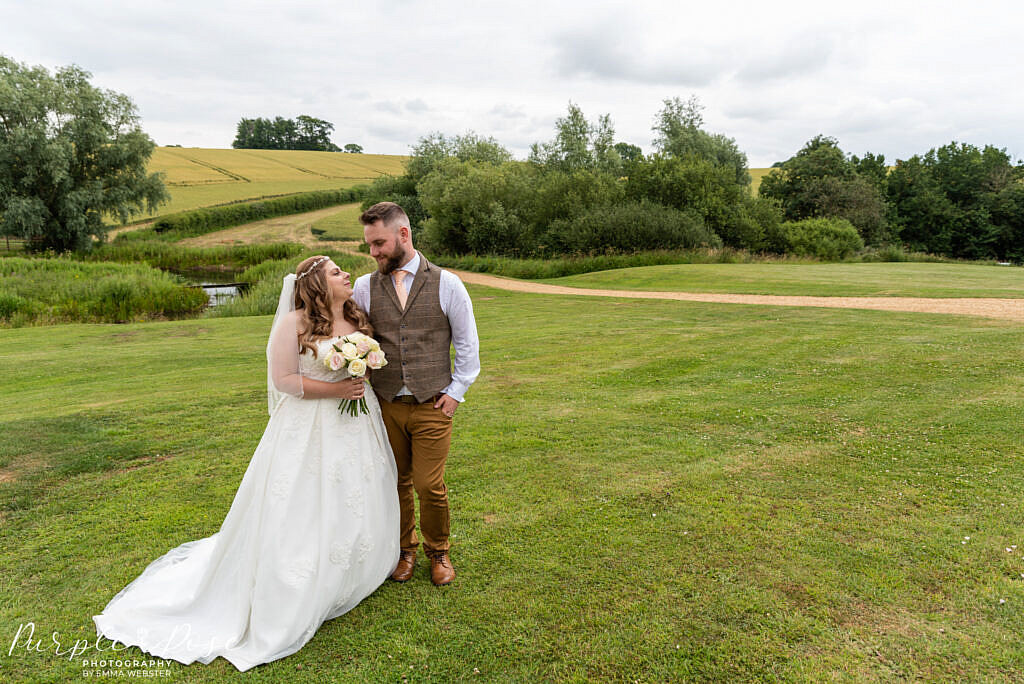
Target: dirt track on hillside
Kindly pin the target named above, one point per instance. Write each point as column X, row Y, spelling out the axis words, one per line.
column 1006, row 309
column 290, row 228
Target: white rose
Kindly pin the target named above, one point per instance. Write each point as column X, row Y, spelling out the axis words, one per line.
column 357, row 368
column 349, row 351
column 335, row 361
column 375, row 360
column 374, row 345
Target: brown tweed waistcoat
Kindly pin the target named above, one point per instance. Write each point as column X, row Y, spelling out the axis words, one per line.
column 416, row 341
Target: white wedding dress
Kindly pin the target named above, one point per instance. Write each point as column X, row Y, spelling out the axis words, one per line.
column 312, row 531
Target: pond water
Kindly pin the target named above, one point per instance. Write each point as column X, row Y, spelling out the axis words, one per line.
column 221, row 293
column 220, row 286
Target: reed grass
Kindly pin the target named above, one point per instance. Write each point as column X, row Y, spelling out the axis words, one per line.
column 560, row 267
column 175, row 257
column 261, row 298
column 534, row 269
column 60, row 289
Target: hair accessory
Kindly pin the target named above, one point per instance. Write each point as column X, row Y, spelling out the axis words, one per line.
column 312, row 267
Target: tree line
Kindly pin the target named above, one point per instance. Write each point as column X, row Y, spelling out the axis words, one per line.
column 302, row 133
column 584, row 193
column 957, row 200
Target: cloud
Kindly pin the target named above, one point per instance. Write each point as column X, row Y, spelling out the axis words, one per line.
column 800, row 57
column 507, row 111
column 879, row 75
column 386, row 106
column 605, row 52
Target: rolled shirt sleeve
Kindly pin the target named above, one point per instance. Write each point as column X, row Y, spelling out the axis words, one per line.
column 458, row 307
column 361, row 293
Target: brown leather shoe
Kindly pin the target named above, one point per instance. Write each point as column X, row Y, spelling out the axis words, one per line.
column 441, row 570
column 406, row 564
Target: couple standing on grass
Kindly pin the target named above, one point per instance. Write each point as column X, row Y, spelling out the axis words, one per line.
column 325, row 512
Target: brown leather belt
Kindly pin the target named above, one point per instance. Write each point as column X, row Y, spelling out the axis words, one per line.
column 410, row 399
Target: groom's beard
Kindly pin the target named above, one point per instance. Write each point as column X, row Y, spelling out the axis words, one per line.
column 395, row 260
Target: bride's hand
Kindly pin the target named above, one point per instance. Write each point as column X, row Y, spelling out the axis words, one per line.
column 351, row 388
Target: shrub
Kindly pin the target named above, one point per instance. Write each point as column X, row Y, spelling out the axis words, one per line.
column 555, row 195
column 826, row 238
column 630, row 227
column 11, row 303
column 471, row 208
column 822, row 181
column 697, row 184
column 398, row 189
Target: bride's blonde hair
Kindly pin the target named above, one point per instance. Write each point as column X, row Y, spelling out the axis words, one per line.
column 313, row 299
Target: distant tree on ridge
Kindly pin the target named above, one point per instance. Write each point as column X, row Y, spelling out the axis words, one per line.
column 302, row 133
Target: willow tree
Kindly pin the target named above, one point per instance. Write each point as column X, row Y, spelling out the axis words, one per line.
column 71, row 154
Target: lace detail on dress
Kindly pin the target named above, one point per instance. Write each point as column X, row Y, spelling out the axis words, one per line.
column 336, row 472
column 301, row 571
column 353, row 424
column 313, row 367
column 313, row 463
column 355, row 502
column 341, row 554
column 281, row 486
column 365, row 546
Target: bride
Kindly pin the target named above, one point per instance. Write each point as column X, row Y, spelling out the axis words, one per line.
column 313, row 529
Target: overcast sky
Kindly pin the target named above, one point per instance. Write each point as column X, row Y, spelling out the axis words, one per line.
column 895, row 77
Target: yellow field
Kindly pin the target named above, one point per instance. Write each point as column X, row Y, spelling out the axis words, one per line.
column 199, row 177
column 755, row 179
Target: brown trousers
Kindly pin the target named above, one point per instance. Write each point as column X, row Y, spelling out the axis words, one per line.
column 420, row 436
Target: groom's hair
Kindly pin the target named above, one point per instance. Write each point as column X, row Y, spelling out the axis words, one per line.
column 389, row 213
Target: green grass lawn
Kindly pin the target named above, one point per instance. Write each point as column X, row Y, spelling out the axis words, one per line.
column 343, row 225
column 641, row 490
column 866, row 279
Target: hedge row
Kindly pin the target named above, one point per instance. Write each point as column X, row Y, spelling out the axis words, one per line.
column 201, row 221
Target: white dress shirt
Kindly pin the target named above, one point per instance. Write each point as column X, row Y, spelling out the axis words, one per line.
column 457, row 306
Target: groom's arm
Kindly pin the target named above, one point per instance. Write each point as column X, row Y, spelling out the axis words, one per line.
column 361, row 293
column 459, row 308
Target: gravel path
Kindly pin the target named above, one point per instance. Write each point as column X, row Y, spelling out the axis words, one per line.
column 296, row 228
column 1006, row 309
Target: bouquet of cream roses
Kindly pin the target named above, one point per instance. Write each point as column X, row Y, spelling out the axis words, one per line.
column 355, row 353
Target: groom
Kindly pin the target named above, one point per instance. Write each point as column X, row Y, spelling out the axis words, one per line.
column 418, row 312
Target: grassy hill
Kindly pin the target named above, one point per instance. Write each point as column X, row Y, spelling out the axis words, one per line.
column 198, row 177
